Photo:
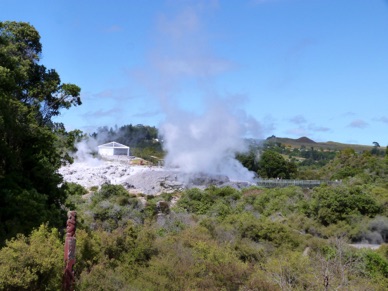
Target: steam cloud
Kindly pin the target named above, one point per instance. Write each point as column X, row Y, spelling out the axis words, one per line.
column 377, row 232
column 206, row 141
column 85, row 148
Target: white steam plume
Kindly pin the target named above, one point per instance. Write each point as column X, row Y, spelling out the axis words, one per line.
column 85, row 149
column 208, row 142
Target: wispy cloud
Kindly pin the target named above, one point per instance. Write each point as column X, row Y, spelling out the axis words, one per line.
column 147, row 114
column 293, row 62
column 316, row 128
column 299, row 131
column 298, row 119
column 176, row 28
column 193, row 66
column 349, row 113
column 358, row 123
column 383, row 119
column 116, row 94
column 309, row 130
column 100, row 113
column 183, row 48
column 109, row 103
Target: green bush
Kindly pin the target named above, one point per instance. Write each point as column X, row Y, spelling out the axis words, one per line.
column 332, row 204
column 110, row 207
column 213, row 199
column 284, row 200
column 73, row 189
column 264, row 230
column 376, row 265
column 108, row 191
column 32, row 263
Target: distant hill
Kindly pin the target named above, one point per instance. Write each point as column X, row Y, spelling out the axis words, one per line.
column 307, row 142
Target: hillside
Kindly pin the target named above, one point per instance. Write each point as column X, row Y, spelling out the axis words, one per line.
column 307, row 142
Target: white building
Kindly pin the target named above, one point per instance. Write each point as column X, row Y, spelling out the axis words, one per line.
column 113, row 149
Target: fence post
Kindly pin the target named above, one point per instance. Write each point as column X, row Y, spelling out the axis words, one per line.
column 68, row 279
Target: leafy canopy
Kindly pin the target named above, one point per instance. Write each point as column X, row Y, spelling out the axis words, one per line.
column 30, row 95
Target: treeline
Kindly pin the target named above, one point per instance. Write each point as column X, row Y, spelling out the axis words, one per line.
column 273, row 160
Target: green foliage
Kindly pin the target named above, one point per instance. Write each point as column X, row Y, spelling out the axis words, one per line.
column 272, row 165
column 375, row 264
column 364, row 166
column 103, row 277
column 383, row 251
column 30, row 95
column 74, row 194
column 346, row 171
column 263, row 230
column 213, row 201
column 279, row 200
column 74, row 189
column 192, row 260
column 24, row 209
column 381, row 195
column 109, row 208
column 215, row 239
column 66, row 141
column 109, row 191
column 314, row 157
column 249, row 251
column 112, row 206
column 333, row 204
column 108, row 261
column 293, row 273
column 32, row 263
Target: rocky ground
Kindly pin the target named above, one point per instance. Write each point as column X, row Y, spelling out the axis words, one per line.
column 141, row 179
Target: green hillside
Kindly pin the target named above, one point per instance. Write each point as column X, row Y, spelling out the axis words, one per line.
column 305, row 141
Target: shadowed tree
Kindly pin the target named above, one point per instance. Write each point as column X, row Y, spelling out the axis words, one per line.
column 30, row 95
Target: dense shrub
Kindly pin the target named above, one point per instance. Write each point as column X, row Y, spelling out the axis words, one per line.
column 332, row 204
column 110, row 207
column 32, row 263
column 376, row 265
column 217, row 201
column 281, row 200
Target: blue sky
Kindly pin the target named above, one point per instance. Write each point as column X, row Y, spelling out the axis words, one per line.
column 315, row 68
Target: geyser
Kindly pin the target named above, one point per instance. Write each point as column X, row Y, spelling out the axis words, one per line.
column 208, row 142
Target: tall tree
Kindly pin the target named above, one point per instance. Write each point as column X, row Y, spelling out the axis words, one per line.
column 272, row 165
column 30, row 95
